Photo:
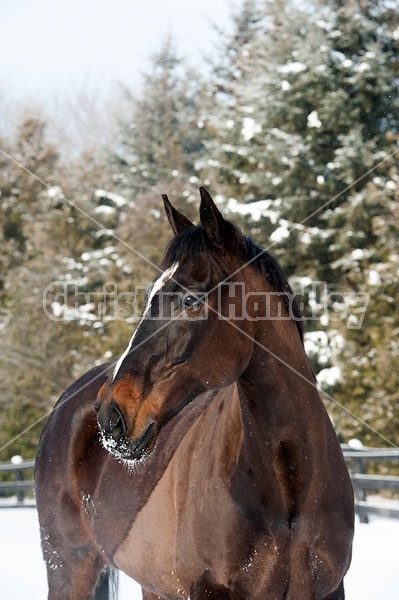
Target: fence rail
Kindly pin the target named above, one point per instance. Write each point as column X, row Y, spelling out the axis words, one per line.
column 20, row 486
column 357, row 458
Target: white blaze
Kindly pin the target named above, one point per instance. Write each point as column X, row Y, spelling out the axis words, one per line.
column 157, row 286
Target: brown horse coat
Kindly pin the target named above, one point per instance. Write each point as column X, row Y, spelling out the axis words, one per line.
column 218, row 474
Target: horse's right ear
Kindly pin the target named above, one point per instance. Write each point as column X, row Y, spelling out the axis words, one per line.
column 177, row 220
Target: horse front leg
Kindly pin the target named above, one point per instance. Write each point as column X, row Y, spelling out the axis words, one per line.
column 80, row 576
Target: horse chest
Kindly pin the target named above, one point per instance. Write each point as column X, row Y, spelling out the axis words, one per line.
column 174, row 541
column 190, row 522
column 171, row 543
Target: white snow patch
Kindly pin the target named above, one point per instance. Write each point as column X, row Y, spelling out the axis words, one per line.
column 23, row 574
column 329, row 377
column 55, row 193
column 254, row 210
column 358, row 254
column 317, row 344
column 281, row 233
column 355, row 444
column 324, row 320
column 364, row 66
column 337, row 340
column 347, row 63
column 250, row 128
column 292, row 67
column 104, row 210
column 22, row 571
column 279, row 134
column 116, row 199
column 68, row 313
column 315, row 232
column 374, row 278
column 313, row 120
column 306, row 238
column 302, row 282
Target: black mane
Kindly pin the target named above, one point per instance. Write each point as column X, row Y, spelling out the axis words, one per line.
column 268, row 266
column 191, row 244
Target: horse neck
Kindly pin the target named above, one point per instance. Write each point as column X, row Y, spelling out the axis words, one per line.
column 283, row 425
column 279, row 400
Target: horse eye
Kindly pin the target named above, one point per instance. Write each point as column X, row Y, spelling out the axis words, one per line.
column 191, row 302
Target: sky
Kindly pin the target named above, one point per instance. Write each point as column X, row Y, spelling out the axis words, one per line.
column 48, row 46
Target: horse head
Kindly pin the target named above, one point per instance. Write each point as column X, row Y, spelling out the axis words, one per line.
column 196, row 332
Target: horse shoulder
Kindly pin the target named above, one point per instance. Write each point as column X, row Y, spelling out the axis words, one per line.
column 68, row 450
column 191, row 504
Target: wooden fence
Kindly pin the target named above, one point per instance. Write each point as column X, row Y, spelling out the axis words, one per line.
column 19, row 490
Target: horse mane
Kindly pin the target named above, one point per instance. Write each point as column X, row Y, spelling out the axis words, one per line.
column 266, row 264
column 191, row 244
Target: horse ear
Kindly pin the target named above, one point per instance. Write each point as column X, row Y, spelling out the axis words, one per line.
column 211, row 218
column 177, row 220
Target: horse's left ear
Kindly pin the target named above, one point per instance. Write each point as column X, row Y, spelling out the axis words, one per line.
column 212, row 219
column 177, row 220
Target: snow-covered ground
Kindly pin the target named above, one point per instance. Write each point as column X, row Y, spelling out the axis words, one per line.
column 374, row 574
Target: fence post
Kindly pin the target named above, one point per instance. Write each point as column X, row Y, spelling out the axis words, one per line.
column 18, row 460
column 361, row 494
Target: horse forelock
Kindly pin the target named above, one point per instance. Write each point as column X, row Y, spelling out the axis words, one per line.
column 188, row 246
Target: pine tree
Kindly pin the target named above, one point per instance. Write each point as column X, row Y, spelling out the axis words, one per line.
column 310, row 125
column 162, row 137
column 227, row 114
column 20, row 205
column 43, row 239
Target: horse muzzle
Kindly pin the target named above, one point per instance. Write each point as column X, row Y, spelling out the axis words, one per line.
column 114, row 436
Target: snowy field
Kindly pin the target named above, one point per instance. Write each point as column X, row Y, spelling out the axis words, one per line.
column 374, row 574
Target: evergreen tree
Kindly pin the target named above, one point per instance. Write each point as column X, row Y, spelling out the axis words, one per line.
column 159, row 141
column 161, row 135
column 20, row 205
column 44, row 237
column 309, row 124
column 296, row 132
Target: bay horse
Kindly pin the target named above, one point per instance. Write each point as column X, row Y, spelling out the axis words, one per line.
column 202, row 463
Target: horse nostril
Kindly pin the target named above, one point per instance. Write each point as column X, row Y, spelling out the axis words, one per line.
column 111, row 422
column 117, row 422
